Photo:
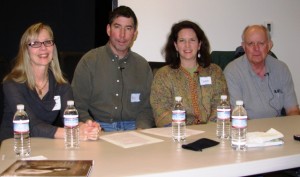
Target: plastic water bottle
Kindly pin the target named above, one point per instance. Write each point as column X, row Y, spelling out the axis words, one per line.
column 21, row 132
column 223, row 118
column 71, row 126
column 178, row 120
column 239, row 127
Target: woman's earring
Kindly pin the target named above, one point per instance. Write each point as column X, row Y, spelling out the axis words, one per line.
column 199, row 55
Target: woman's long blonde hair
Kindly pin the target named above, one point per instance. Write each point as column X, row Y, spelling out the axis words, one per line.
column 22, row 70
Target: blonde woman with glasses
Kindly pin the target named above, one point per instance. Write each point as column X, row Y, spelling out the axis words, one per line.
column 36, row 81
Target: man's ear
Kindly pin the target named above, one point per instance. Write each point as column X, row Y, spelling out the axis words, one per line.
column 108, row 29
column 270, row 45
column 243, row 44
column 135, row 35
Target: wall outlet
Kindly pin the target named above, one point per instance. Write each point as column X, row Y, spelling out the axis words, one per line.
column 270, row 27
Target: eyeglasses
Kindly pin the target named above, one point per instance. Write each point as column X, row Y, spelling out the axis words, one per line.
column 258, row 44
column 37, row 44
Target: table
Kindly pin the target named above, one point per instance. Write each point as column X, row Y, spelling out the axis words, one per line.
column 167, row 158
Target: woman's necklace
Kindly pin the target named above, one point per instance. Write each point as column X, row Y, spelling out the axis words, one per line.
column 40, row 89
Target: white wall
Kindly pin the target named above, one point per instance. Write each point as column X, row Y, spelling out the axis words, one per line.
column 223, row 22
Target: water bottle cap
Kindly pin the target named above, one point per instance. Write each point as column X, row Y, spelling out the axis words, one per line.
column 70, row 102
column 239, row 102
column 178, row 98
column 20, row 106
column 223, row 97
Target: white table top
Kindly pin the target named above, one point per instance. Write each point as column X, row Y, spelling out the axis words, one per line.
column 167, row 158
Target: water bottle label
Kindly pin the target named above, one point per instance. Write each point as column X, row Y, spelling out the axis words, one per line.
column 21, row 126
column 178, row 115
column 223, row 113
column 239, row 123
column 70, row 120
column 239, row 117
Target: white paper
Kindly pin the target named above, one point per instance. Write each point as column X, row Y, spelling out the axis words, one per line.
column 268, row 143
column 259, row 139
column 57, row 105
column 129, row 139
column 167, row 131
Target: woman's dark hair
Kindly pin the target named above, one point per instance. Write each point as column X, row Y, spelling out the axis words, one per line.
column 123, row 11
column 170, row 52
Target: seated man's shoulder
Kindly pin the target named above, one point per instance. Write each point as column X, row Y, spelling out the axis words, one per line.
column 137, row 57
column 139, row 60
column 234, row 65
column 91, row 54
column 275, row 61
column 277, row 64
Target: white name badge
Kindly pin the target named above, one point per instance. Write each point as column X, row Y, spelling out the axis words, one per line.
column 205, row 80
column 57, row 105
column 135, row 97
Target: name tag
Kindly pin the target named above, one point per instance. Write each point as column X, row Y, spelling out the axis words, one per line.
column 57, row 105
column 135, row 97
column 205, row 80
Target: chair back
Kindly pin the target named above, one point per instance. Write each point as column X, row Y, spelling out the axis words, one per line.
column 222, row 58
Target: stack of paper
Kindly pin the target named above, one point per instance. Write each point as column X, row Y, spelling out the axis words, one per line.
column 259, row 139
